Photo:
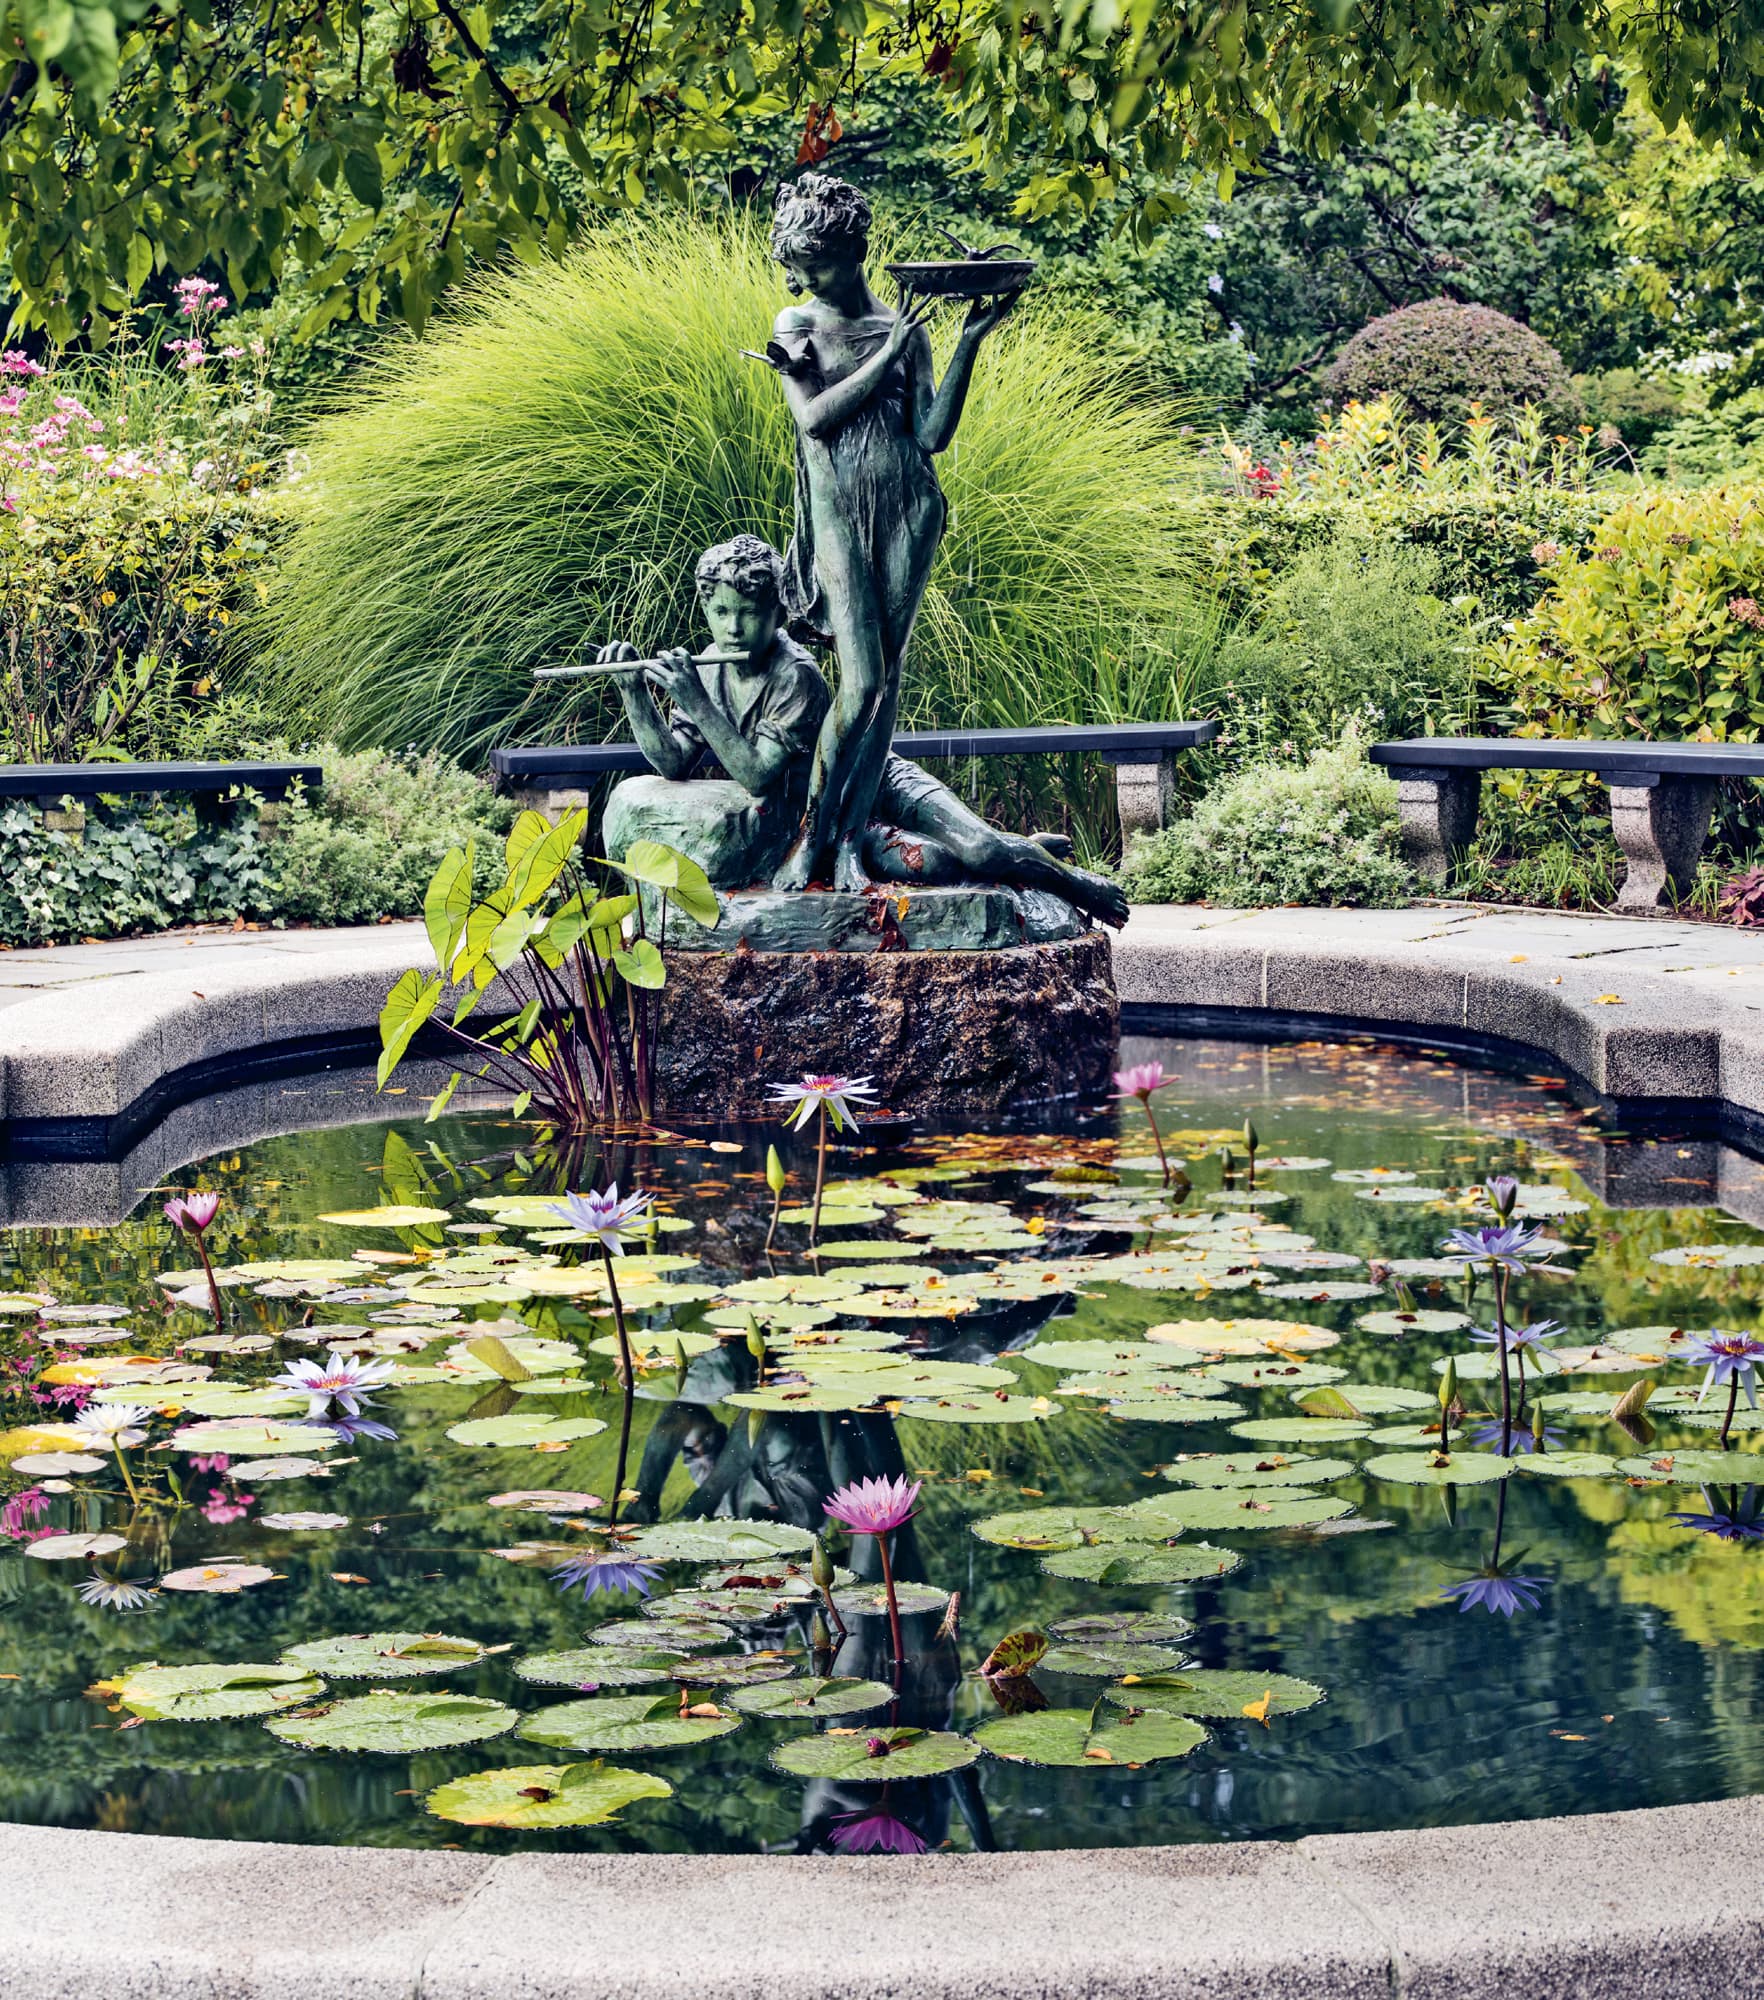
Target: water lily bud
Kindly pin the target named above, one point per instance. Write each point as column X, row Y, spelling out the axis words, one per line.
column 756, row 1423
column 679, row 1363
column 1227, row 1164
column 756, row 1339
column 652, row 1231
column 821, row 1566
column 1537, row 1429
column 1405, row 1299
column 775, row 1175
column 1503, row 1192
column 820, row 1632
column 1448, row 1384
column 1251, row 1138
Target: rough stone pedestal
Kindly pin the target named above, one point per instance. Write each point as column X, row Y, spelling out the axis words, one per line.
column 1437, row 806
column 976, row 917
column 939, row 1031
column 1145, row 796
column 1660, row 824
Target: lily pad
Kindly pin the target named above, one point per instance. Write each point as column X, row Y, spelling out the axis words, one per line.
column 1372, row 1176
column 1090, row 1738
column 74, row 1548
column 218, row 1579
column 599, row 1666
column 718, row 1541
column 1209, row 1509
column 682, row 1635
column 1103, row 1628
column 1276, row 1471
column 1046, row 1530
column 1420, row 1321
column 525, row 1430
column 1108, row 1659
column 1418, row 1468
column 1302, row 1431
column 391, row 1656
column 624, row 1722
column 397, row 1724
column 213, row 1693
column 393, row 1216
column 1323, row 1293
column 1091, row 1356
column 1375, row 1399
column 546, row 1500
column 870, row 1600
column 1125, row 1564
column 734, row 1669
column 1273, row 1373
column 1219, row 1692
column 252, row 1437
column 862, row 1756
column 995, row 1409
column 1173, row 1410
column 1245, row 1336
column 1567, row 1464
column 1697, row 1468
column 527, row 1796
column 806, row 1699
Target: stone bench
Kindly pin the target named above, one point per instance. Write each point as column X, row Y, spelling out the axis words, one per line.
column 1662, row 799
column 555, row 779
column 53, row 786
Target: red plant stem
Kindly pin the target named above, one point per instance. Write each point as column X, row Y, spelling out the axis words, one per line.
column 1157, row 1136
column 1500, row 1285
column 214, row 1297
column 893, row 1610
column 820, row 1176
column 627, row 1380
column 1732, row 1405
column 777, row 1206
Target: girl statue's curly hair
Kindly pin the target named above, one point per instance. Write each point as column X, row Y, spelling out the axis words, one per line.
column 816, row 216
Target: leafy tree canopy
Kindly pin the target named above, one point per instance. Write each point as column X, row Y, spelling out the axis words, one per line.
column 375, row 145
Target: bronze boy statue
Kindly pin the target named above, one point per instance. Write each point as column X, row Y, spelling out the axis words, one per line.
column 733, row 761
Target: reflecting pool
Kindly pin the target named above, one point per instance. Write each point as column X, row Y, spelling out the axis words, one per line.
column 1177, row 1450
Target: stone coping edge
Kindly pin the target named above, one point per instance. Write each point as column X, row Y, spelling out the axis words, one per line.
column 1658, row 1904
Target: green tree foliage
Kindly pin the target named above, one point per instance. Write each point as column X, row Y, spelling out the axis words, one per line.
column 379, row 146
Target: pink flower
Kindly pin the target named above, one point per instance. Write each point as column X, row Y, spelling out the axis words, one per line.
column 216, row 1461
column 222, row 1511
column 199, row 298
column 193, row 1211
column 16, row 362
column 1545, row 552
column 20, row 1511
column 830, row 1093
column 874, row 1833
column 1141, row 1080
column 874, row 1506
column 1746, row 611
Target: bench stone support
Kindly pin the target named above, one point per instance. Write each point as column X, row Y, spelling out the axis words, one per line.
column 553, row 800
column 1145, row 796
column 1437, row 805
column 1660, row 824
column 63, row 815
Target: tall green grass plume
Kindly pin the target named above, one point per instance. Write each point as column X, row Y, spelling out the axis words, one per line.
column 541, row 475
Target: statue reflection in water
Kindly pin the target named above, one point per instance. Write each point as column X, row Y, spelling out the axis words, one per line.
column 781, row 1467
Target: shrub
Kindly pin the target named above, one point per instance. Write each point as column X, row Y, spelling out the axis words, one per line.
column 1637, row 407
column 1481, row 500
column 367, row 843
column 134, row 872
column 1324, row 831
column 1446, row 361
column 544, row 472
column 1705, row 446
column 131, row 534
column 1353, row 631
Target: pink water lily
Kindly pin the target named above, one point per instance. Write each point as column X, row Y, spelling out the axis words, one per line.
column 875, row 1506
column 832, row 1094
column 193, row 1212
column 1141, row 1080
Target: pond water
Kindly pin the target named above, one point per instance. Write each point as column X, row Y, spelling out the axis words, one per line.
column 1299, row 1623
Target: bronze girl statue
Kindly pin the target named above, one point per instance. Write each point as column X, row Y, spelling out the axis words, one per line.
column 869, row 417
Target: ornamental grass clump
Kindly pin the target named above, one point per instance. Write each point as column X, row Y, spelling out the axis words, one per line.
column 542, row 474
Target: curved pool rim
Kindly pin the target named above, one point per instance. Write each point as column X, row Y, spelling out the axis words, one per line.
column 1656, row 1904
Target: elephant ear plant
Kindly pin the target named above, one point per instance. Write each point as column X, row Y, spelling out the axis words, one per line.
column 580, row 1047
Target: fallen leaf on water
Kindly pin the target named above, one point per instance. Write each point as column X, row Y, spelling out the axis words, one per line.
column 346, row 1576
column 1101, row 1755
column 1257, row 1710
column 1609, row 1000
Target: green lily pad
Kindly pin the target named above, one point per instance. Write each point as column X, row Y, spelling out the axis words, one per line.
column 1046, row 1530
column 848, row 1756
column 1277, row 1471
column 1210, row 1509
column 213, row 1693
column 387, row 1655
column 1173, row 1410
column 599, row 1666
column 398, row 1724
column 1431, row 1320
column 1125, row 1564
column 1412, row 1197
column 870, row 1600
column 1372, row 1176
column 1218, row 1692
column 681, row 1635
column 623, row 1722
column 839, row 1215
column 1416, row 1468
column 654, row 1344
column 1567, row 1464
column 524, row 1430
column 1378, row 1399
column 392, row 1216
column 252, row 1437
column 530, row 1796
column 1273, row 1374
column 1697, row 1468
column 873, row 1247
column 808, row 1698
column 734, row 1669
column 1103, row 1628
column 996, row 1409
column 1299, row 1430
column 718, row 1541
column 1711, row 1256
column 1090, row 1738
column 1325, row 1293
column 1108, row 1659
column 1089, row 1356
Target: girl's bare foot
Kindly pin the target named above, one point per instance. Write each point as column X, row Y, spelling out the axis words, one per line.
column 796, row 869
column 850, row 877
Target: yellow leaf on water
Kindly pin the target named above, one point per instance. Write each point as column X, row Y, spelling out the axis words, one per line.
column 1609, row 1000
column 1518, row 958
column 1257, row 1710
column 1101, row 1755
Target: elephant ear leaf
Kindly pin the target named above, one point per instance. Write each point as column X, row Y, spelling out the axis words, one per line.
column 676, row 875
column 447, row 904
column 409, row 1004
column 642, row 965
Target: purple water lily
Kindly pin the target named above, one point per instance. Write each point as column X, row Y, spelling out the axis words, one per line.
column 1512, row 1440
column 1731, row 1358
column 1502, row 1191
column 1523, row 1339
column 605, row 1576
column 1495, row 1590
column 1507, row 1246
column 604, row 1216
column 1737, row 1522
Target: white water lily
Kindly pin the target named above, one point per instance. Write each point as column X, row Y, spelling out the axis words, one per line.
column 115, row 1595
column 113, row 1426
column 338, row 1384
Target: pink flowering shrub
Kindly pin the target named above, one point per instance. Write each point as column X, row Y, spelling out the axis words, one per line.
column 128, row 545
